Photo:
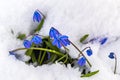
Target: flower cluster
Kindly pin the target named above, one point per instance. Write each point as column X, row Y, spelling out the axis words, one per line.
column 82, row 60
column 36, row 40
column 58, row 39
column 47, row 49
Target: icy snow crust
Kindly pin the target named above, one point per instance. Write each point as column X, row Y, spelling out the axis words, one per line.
column 71, row 17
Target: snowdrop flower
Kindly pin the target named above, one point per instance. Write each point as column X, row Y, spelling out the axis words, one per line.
column 27, row 43
column 58, row 39
column 82, row 61
column 36, row 39
column 111, row 55
column 37, row 16
column 89, row 52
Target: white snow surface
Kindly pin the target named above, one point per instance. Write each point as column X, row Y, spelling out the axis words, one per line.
column 71, row 17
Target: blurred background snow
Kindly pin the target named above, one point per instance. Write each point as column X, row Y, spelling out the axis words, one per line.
column 71, row 17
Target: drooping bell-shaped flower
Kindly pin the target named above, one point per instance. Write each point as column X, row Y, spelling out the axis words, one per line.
column 89, row 52
column 37, row 16
column 27, row 43
column 59, row 40
column 82, row 61
column 111, row 55
column 36, row 39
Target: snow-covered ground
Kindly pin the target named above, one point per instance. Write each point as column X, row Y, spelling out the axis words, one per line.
column 71, row 17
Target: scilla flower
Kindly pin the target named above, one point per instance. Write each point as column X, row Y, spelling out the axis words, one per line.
column 58, row 39
column 111, row 55
column 37, row 16
column 89, row 52
column 27, row 43
column 54, row 33
column 61, row 41
column 36, row 39
column 82, row 61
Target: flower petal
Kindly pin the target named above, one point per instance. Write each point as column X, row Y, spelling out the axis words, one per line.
column 36, row 39
column 82, row 61
column 89, row 52
column 27, row 44
column 37, row 16
column 111, row 55
column 54, row 33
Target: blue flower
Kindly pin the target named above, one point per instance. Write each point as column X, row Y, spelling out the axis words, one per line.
column 89, row 52
column 82, row 61
column 61, row 41
column 36, row 39
column 58, row 39
column 54, row 33
column 111, row 55
column 102, row 41
column 37, row 16
column 27, row 44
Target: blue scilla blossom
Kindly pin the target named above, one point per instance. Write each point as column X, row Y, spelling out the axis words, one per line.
column 61, row 41
column 54, row 33
column 36, row 39
column 82, row 61
column 37, row 16
column 58, row 39
column 111, row 55
column 103, row 40
column 27, row 43
column 89, row 52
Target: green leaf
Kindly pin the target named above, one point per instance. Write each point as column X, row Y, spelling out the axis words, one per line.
column 33, row 57
column 51, row 46
column 53, row 58
column 90, row 74
column 21, row 36
column 84, row 38
column 29, row 52
column 39, row 26
column 43, row 56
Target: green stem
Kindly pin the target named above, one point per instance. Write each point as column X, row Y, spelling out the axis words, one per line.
column 66, row 59
column 115, row 65
column 81, row 54
column 42, row 49
column 43, row 56
column 61, row 58
column 39, row 57
column 85, row 48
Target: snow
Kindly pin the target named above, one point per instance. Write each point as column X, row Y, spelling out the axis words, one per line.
column 71, row 17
